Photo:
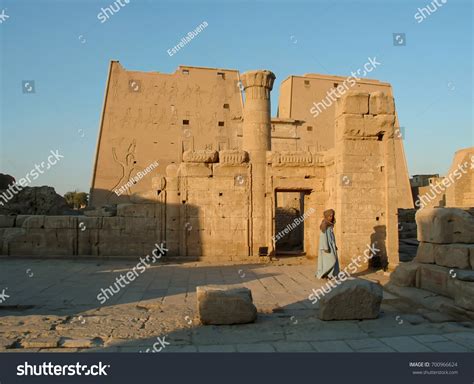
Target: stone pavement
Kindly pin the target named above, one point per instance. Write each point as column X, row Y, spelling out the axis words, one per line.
column 52, row 305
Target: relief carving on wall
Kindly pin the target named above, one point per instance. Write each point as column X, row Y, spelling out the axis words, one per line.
column 127, row 165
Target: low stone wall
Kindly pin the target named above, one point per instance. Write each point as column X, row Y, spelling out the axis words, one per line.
column 134, row 231
column 444, row 263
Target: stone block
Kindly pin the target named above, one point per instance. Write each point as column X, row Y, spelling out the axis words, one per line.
column 433, row 278
column 140, row 224
column 356, row 102
column 10, row 234
column 425, row 253
column 352, row 125
column 145, row 197
column 200, row 156
column 80, row 342
column 380, row 124
column 40, row 342
column 463, row 294
column 221, row 305
column 84, row 222
column 109, row 235
column 105, row 211
column 136, row 210
column 230, row 170
column 233, row 156
column 381, row 104
column 34, row 221
column 121, row 247
column 355, row 299
column 114, row 223
column 453, row 255
column 44, row 242
column 20, row 248
column 349, row 125
column 20, row 219
column 405, row 274
column 7, row 221
column 60, row 222
column 465, row 275
column 445, row 225
column 194, row 169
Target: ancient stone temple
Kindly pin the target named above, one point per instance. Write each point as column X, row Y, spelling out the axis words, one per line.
column 194, row 160
column 223, row 179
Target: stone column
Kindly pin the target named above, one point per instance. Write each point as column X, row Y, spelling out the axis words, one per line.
column 256, row 131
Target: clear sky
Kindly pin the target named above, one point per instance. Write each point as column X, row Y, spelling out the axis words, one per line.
column 65, row 49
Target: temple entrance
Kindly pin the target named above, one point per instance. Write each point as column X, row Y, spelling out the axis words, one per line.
column 289, row 223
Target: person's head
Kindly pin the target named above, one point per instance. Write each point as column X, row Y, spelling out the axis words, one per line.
column 329, row 219
column 329, row 215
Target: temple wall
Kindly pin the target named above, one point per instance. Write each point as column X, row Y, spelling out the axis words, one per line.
column 150, row 117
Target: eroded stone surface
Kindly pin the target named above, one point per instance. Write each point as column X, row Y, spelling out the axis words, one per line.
column 220, row 305
column 352, row 300
column 445, row 226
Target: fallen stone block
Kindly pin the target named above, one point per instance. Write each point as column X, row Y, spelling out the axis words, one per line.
column 453, row 255
column 445, row 226
column 220, row 305
column 405, row 274
column 425, row 253
column 355, row 299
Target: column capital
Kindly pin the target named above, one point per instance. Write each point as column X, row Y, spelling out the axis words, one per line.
column 258, row 78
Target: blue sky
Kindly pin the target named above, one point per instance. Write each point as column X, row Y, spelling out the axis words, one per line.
column 65, row 49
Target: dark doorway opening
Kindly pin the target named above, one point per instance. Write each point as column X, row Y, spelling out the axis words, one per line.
column 289, row 223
